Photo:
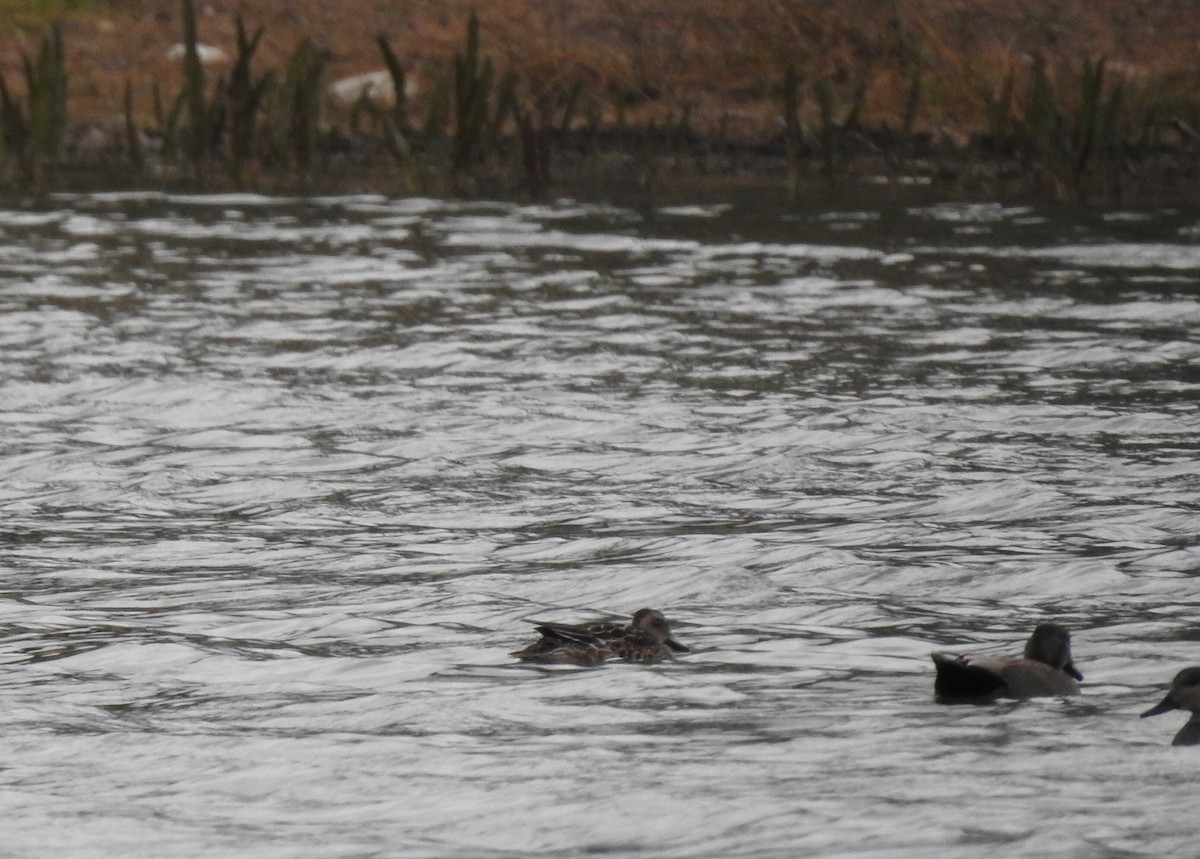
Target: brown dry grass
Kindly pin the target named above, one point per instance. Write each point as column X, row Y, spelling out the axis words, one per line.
column 710, row 67
column 717, row 59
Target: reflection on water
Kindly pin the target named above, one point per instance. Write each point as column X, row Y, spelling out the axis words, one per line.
column 284, row 480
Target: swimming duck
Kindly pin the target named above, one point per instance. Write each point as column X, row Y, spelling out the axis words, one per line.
column 1183, row 695
column 1045, row 670
column 647, row 638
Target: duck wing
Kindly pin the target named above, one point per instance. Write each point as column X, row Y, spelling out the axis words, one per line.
column 573, row 633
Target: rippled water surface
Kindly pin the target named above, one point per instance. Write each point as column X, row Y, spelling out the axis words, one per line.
column 283, row 482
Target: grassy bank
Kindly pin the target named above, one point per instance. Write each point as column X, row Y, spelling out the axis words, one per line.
column 1075, row 100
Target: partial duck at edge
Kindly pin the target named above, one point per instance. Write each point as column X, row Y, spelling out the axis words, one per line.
column 1184, row 694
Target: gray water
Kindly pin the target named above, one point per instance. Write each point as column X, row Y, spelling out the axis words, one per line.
column 283, row 482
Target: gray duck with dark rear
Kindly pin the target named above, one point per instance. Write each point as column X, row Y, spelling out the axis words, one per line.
column 1045, row 670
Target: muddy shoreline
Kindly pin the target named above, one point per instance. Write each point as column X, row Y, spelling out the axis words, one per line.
column 636, row 165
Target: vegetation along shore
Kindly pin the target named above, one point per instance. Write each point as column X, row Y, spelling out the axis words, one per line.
column 1080, row 100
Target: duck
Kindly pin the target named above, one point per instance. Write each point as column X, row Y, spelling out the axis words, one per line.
column 1045, row 670
column 1184, row 694
column 645, row 639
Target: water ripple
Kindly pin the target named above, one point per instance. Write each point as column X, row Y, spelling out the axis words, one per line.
column 285, row 481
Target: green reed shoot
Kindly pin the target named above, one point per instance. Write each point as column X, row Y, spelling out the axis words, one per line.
column 296, row 117
column 133, row 140
column 913, row 101
column 1000, row 107
column 829, row 133
column 244, row 97
column 395, row 125
column 14, row 127
column 1068, row 135
column 34, row 132
column 473, row 78
column 793, row 132
column 193, row 96
column 399, row 84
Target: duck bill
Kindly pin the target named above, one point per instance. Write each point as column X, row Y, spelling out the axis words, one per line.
column 676, row 646
column 1072, row 670
column 1166, row 705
